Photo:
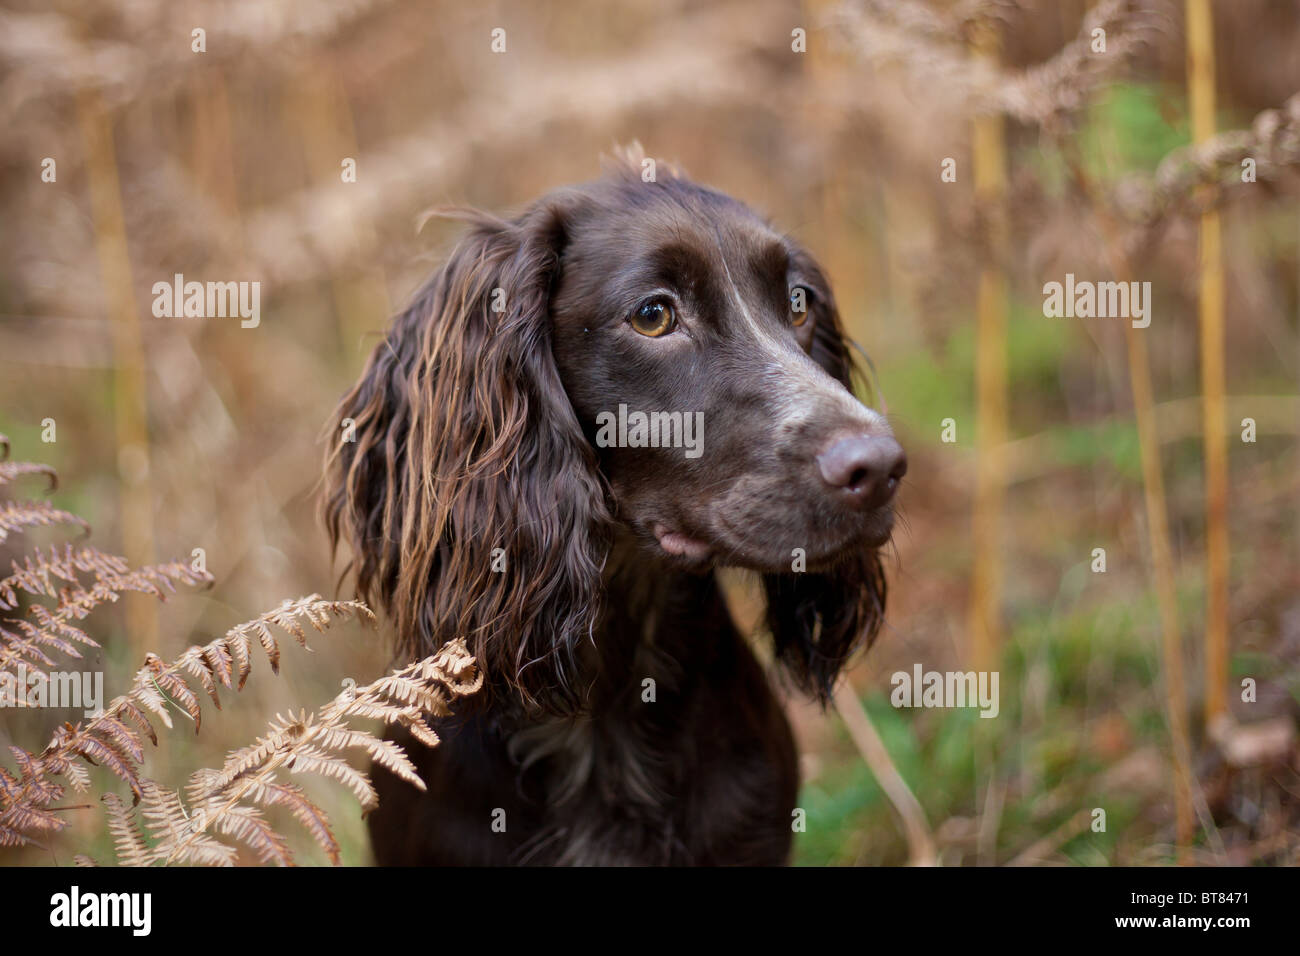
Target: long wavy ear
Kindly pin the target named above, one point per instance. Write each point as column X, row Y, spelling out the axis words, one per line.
column 818, row 620
column 460, row 477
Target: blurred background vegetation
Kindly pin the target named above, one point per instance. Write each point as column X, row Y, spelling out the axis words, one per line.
column 176, row 434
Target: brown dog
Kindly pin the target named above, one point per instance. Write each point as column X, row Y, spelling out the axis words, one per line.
column 585, row 411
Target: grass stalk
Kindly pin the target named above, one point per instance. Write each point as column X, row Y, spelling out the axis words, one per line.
column 989, row 171
column 1200, row 82
column 130, row 395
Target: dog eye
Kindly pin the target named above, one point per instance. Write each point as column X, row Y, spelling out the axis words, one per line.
column 800, row 298
column 654, row 318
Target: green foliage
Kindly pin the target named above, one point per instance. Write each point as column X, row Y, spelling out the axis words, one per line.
column 1130, row 128
column 1083, row 662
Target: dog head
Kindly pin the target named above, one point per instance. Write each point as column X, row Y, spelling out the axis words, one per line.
column 646, row 359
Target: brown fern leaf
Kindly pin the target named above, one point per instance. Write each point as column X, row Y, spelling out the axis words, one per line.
column 166, row 824
column 240, row 763
column 242, row 659
column 313, row 608
column 45, row 792
column 67, row 765
column 121, row 738
column 157, row 683
column 323, row 764
column 230, row 802
column 16, row 516
column 23, row 800
column 128, row 842
column 171, row 685
column 8, row 782
column 158, row 580
column 101, row 752
column 53, row 628
column 306, row 744
column 29, row 641
column 218, row 660
column 386, row 753
column 25, row 821
column 256, row 796
column 113, row 739
column 16, row 649
column 409, row 716
column 182, row 837
column 269, row 645
column 927, row 43
column 133, row 713
column 38, row 572
column 249, row 826
column 311, row 817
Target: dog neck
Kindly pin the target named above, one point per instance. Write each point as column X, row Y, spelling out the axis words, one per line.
column 654, row 616
column 662, row 636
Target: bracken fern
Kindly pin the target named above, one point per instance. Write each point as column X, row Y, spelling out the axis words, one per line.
column 221, row 808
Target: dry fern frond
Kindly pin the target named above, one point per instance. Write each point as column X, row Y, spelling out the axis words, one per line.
column 18, row 515
column 37, row 573
column 58, row 574
column 927, row 44
column 49, row 55
column 231, row 802
column 113, row 740
column 26, row 646
column 53, row 628
column 1193, row 179
column 228, row 658
column 25, row 640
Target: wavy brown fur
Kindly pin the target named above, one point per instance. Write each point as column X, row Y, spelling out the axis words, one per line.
column 464, row 434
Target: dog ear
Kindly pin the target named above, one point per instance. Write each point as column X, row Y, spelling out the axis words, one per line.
column 459, row 475
column 819, row 619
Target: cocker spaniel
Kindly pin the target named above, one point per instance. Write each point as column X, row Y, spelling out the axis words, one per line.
column 586, row 411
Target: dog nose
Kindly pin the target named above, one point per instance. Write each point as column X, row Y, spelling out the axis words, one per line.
column 864, row 470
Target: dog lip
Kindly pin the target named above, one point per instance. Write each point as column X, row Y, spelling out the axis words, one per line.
column 674, row 542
